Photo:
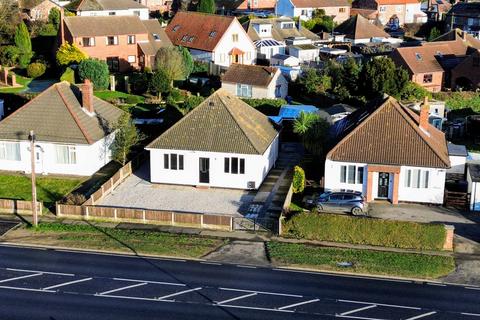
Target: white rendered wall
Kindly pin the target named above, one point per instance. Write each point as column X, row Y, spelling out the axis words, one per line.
column 144, row 15
column 221, row 53
column 457, row 164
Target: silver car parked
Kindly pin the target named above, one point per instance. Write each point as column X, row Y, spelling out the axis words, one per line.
column 342, row 201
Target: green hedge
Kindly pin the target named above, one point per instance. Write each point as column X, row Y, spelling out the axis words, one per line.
column 270, row 107
column 363, row 261
column 368, row 231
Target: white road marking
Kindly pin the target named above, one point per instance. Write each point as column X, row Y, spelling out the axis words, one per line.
column 26, row 289
column 247, row 267
column 264, row 292
column 358, row 310
column 21, row 277
column 153, row 282
column 67, row 283
column 472, row 288
column 45, row 272
column 341, row 275
column 436, row 284
column 422, row 315
column 131, row 298
column 298, row 304
column 471, row 314
column 178, row 293
column 359, row 318
column 122, row 288
column 117, row 255
column 238, row 298
column 253, row 308
column 380, row 304
column 211, row 263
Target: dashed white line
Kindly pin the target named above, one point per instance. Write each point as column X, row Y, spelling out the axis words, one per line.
column 26, row 289
column 253, row 308
column 211, row 263
column 21, row 277
column 44, row 272
column 238, row 298
column 471, row 314
column 422, row 315
column 247, row 267
column 358, row 318
column 132, row 298
column 122, row 288
column 298, row 304
column 380, row 304
column 263, row 292
column 179, row 293
column 67, row 283
column 153, row 282
column 341, row 275
column 358, row 310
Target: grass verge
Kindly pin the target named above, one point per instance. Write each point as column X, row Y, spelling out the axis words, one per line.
column 358, row 230
column 86, row 236
column 363, row 261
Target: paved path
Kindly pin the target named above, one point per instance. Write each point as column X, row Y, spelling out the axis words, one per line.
column 60, row 284
column 241, row 252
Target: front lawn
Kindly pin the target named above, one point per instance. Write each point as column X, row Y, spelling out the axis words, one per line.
column 108, row 95
column 49, row 189
column 362, row 261
column 368, row 231
column 89, row 236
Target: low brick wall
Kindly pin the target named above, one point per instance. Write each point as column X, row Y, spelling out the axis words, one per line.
column 19, row 206
column 171, row 218
column 450, row 233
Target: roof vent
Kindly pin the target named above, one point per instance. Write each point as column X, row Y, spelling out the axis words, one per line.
column 211, row 104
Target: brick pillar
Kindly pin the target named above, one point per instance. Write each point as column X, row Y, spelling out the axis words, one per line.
column 450, row 231
column 369, row 186
column 13, row 79
column 396, row 183
column 112, row 83
column 5, row 76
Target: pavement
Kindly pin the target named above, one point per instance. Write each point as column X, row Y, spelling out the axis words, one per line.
column 241, row 252
column 63, row 284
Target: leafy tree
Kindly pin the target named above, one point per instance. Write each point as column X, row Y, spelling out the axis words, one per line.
column 190, row 103
column 36, row 69
column 160, row 83
column 171, row 61
column 187, row 61
column 9, row 55
column 54, row 18
column 413, row 91
column 350, row 75
column 313, row 82
column 48, row 30
column 434, row 34
column 381, row 76
column 207, row 6
column 96, row 71
column 9, row 19
column 24, row 45
column 319, row 22
column 126, row 136
column 298, row 183
column 68, row 54
column 304, row 122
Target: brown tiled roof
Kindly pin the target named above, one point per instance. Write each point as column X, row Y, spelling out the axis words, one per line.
column 253, row 75
column 367, row 13
column 84, row 26
column 455, row 38
column 222, row 123
column 358, row 27
column 151, row 47
column 320, row 3
column 391, row 136
column 96, row 5
column 421, row 59
column 202, row 31
column 278, row 33
column 56, row 115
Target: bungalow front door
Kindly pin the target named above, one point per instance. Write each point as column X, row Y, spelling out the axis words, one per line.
column 204, row 166
column 383, row 184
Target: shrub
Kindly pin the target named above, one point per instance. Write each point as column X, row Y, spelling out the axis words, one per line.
column 36, row 69
column 200, row 67
column 95, row 70
column 159, row 83
column 68, row 54
column 68, row 75
column 138, row 83
column 131, row 99
column 48, row 30
column 269, row 107
column 190, row 103
column 298, row 183
column 24, row 45
column 9, row 55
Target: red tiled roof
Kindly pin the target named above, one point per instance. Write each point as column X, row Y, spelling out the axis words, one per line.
column 320, row 3
column 391, row 136
column 421, row 59
column 395, row 2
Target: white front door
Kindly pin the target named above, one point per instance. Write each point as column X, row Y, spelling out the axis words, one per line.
column 38, row 159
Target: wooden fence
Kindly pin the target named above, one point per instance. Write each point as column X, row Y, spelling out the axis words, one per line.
column 18, row 206
column 459, row 200
column 172, row 218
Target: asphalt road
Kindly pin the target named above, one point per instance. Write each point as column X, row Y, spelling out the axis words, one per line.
column 57, row 284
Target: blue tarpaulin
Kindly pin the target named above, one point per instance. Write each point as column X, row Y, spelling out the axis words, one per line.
column 291, row 112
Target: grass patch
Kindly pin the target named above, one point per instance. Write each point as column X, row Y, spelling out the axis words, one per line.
column 387, row 233
column 144, row 242
column 23, row 81
column 364, row 261
column 112, row 95
column 49, row 189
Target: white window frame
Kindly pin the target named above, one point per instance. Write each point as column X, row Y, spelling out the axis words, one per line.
column 8, row 156
column 350, row 174
column 382, row 9
column 417, row 179
column 132, row 59
column 115, row 40
column 131, row 36
column 244, row 90
column 71, row 154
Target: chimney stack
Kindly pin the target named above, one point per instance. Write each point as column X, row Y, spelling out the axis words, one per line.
column 424, row 114
column 87, row 96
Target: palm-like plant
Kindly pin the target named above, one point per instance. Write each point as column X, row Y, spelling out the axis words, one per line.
column 304, row 122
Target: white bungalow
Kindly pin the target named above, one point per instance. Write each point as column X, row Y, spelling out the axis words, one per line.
column 392, row 154
column 90, row 8
column 221, row 143
column 72, row 129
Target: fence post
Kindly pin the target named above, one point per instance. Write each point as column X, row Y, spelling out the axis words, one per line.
column 143, row 216
column 86, row 211
column 201, row 220
column 448, row 245
column 231, row 223
column 115, row 214
column 173, row 217
column 58, row 211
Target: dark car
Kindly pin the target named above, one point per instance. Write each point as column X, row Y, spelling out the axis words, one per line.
column 341, row 201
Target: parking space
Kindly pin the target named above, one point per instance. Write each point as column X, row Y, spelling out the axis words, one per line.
column 157, row 292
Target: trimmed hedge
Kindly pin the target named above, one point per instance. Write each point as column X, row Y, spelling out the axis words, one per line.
column 269, row 107
column 357, row 230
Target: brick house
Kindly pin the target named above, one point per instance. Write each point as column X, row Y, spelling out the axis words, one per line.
column 156, row 5
column 245, row 5
column 373, row 155
column 391, row 12
column 108, row 8
column 37, row 10
column 124, row 42
column 304, row 9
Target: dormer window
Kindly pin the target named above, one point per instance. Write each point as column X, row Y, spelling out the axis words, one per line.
column 418, row 56
column 212, row 34
column 156, row 37
column 185, row 37
column 175, row 28
column 288, row 25
column 191, row 39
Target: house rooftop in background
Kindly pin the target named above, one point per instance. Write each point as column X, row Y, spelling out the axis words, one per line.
column 250, row 74
column 37, row 10
column 357, row 28
column 244, row 5
column 281, row 29
column 222, row 123
column 319, row 3
column 90, row 26
column 58, row 115
column 100, row 5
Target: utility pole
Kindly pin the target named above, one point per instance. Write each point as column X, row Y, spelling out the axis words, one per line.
column 31, row 137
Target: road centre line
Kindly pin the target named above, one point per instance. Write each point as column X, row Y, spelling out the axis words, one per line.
column 238, row 298
column 253, row 308
column 422, row 315
column 44, row 272
column 358, row 310
column 152, row 282
column 123, row 288
column 358, row 318
column 298, row 304
column 67, row 283
column 470, row 314
column 178, row 293
column 263, row 292
column 381, row 304
column 21, row 277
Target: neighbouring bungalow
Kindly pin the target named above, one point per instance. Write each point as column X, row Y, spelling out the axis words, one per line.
column 284, row 60
column 305, row 52
column 257, row 82
column 37, row 10
column 304, row 9
column 223, row 143
column 108, row 8
column 72, row 129
column 393, row 13
column 220, row 40
column 389, row 153
column 357, row 29
column 125, row 42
